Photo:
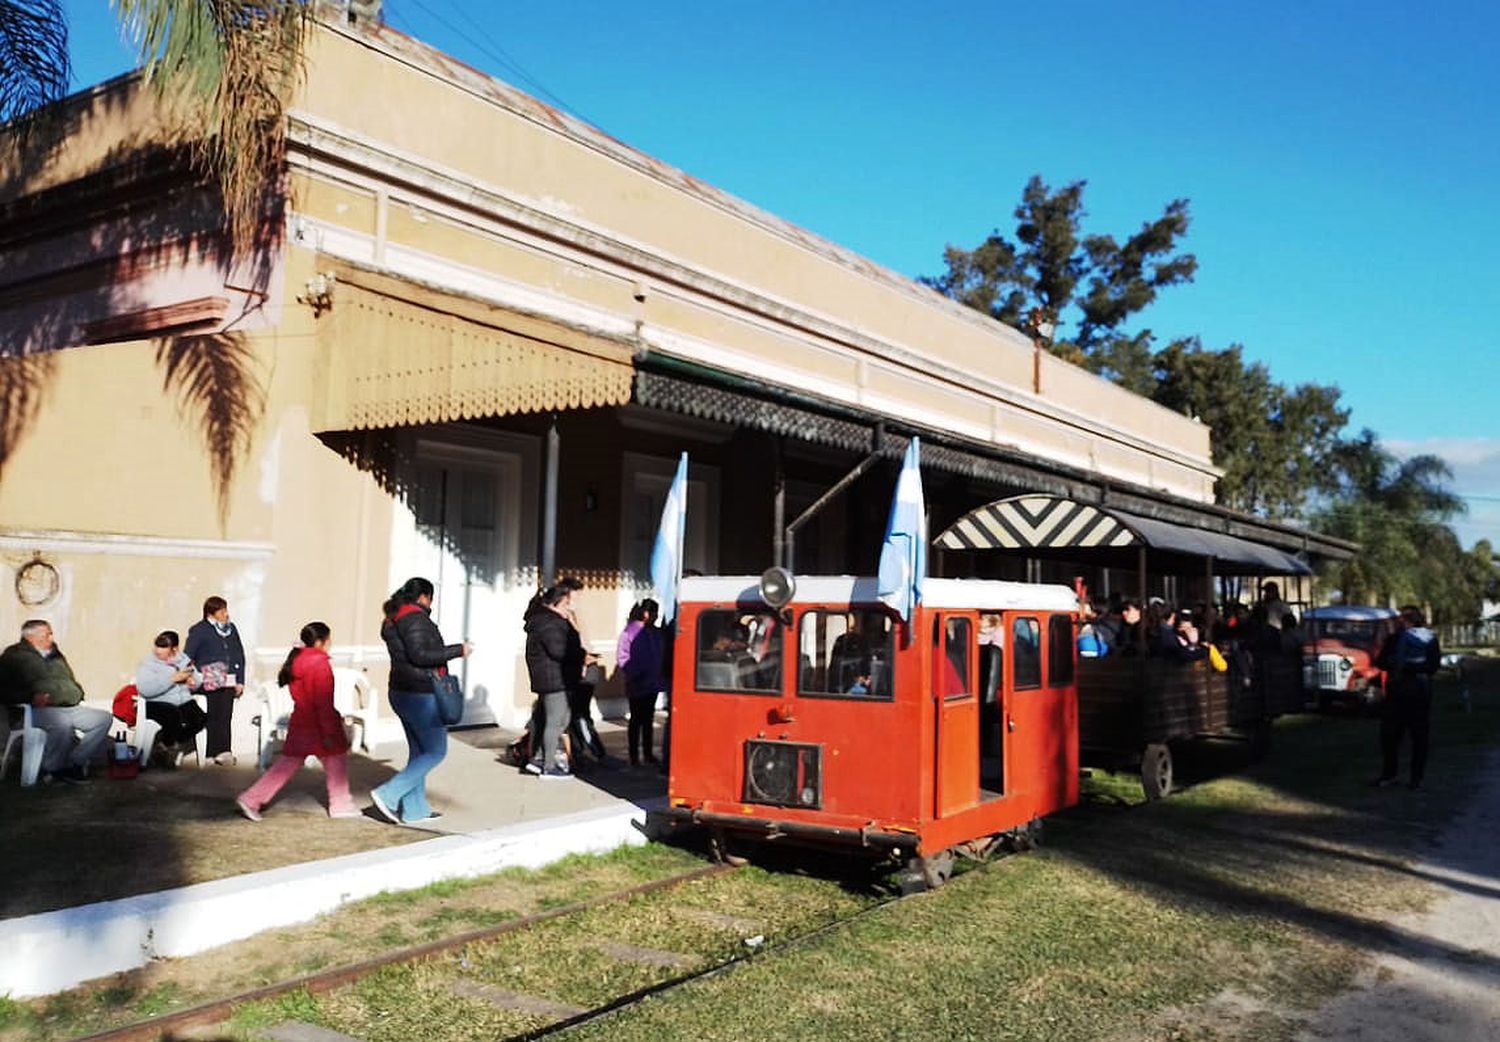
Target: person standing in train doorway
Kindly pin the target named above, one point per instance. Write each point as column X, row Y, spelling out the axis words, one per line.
column 214, row 648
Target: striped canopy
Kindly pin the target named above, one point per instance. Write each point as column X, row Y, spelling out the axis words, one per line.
column 1038, row 522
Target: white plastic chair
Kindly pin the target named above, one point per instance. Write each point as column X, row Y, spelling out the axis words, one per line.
column 33, row 745
column 147, row 729
column 357, row 702
column 271, row 722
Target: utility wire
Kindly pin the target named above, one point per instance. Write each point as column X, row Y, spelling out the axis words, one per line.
column 477, row 35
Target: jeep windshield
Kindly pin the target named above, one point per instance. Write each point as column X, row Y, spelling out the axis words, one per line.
column 1350, row 631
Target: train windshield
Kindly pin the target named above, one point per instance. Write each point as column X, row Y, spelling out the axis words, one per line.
column 848, row 653
column 739, row 651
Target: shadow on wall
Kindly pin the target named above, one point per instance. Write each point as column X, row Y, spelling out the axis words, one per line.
column 85, row 262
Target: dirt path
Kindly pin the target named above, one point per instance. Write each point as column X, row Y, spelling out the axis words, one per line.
column 1440, row 977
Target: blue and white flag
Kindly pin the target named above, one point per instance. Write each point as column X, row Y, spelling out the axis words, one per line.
column 903, row 558
column 666, row 555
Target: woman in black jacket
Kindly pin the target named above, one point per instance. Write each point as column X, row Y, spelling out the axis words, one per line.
column 554, row 661
column 416, row 650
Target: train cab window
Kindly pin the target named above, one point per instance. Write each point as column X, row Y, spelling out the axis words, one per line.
column 848, row 654
column 739, row 651
column 1026, row 653
column 953, row 679
column 1059, row 650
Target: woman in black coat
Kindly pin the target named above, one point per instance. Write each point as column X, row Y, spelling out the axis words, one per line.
column 416, row 651
column 214, row 648
column 554, row 662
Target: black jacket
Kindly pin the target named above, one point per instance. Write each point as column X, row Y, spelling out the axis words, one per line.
column 554, row 652
column 415, row 648
column 204, row 647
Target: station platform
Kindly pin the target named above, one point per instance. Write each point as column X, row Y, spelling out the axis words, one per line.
column 107, row 876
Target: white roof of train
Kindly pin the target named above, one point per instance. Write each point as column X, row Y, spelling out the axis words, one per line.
column 983, row 594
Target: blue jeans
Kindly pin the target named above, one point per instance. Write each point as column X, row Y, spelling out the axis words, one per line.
column 427, row 744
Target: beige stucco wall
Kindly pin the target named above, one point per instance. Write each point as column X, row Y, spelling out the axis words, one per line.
column 112, row 486
column 503, row 196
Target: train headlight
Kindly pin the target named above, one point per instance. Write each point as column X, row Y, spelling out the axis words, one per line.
column 777, row 587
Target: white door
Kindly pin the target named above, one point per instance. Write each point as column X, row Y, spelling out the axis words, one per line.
column 465, row 510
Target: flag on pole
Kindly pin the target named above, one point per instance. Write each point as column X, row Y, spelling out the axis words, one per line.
column 903, row 558
column 666, row 555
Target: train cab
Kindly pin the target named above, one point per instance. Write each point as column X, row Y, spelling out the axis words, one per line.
column 828, row 719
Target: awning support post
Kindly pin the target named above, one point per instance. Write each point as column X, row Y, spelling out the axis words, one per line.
column 549, row 505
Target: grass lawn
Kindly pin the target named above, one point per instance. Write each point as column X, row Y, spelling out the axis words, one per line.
column 1216, row 915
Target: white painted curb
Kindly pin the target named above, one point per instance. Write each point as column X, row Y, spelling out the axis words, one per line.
column 54, row 951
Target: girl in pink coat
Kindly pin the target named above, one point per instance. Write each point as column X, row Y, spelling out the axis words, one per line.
column 316, row 729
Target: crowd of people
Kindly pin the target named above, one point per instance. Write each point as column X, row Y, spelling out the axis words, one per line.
column 563, row 675
column 35, row 672
column 1233, row 634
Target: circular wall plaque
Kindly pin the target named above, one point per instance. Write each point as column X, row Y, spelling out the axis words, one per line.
column 37, row 583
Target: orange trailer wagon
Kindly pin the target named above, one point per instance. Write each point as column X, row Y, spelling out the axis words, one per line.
column 827, row 719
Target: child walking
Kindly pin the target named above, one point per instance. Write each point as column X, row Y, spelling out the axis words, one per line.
column 316, row 729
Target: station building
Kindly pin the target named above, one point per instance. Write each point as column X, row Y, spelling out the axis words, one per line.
column 477, row 339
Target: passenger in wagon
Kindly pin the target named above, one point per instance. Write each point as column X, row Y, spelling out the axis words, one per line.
column 1119, row 628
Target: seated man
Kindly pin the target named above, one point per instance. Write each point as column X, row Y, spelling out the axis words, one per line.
column 33, row 671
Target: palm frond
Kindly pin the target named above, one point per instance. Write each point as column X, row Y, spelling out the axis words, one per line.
column 214, row 378
column 33, row 55
column 23, row 387
column 237, row 63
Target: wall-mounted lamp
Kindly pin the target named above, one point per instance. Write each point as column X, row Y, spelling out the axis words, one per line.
column 318, row 294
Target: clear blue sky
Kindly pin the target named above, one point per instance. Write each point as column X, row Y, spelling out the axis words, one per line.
column 1342, row 159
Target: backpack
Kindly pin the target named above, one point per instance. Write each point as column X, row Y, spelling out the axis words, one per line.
column 124, row 705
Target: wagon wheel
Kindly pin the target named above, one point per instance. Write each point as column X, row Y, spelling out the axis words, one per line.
column 1024, row 837
column 926, row 872
column 1156, row 771
column 1260, row 741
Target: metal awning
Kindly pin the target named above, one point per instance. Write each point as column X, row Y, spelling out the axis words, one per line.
column 394, row 353
column 1054, row 523
column 692, row 389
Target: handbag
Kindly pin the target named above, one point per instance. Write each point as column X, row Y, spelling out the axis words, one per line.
column 450, row 697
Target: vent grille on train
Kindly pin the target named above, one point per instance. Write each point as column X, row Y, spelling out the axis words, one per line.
column 784, row 774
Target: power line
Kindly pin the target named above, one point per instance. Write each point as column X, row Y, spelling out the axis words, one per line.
column 478, row 37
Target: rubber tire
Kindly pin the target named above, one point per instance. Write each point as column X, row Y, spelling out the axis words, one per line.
column 1156, row 771
column 924, row 873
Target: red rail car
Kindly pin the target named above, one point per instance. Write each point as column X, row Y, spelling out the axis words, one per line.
column 831, row 721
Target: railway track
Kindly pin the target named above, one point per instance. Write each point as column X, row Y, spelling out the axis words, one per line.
column 612, row 951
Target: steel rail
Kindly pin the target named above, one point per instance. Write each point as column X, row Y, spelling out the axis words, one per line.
column 219, row 1010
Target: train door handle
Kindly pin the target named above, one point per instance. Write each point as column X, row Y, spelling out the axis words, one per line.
column 1010, row 723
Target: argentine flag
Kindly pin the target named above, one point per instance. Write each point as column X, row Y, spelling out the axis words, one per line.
column 666, row 555
column 903, row 558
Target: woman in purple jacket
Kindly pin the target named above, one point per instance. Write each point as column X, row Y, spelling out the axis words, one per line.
column 638, row 656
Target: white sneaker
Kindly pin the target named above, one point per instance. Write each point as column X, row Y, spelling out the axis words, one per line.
column 384, row 811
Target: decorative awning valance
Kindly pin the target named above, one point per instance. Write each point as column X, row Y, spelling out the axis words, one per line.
column 1052, row 523
column 396, row 354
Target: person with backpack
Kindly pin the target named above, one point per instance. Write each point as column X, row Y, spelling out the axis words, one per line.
column 416, row 650
column 316, row 729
